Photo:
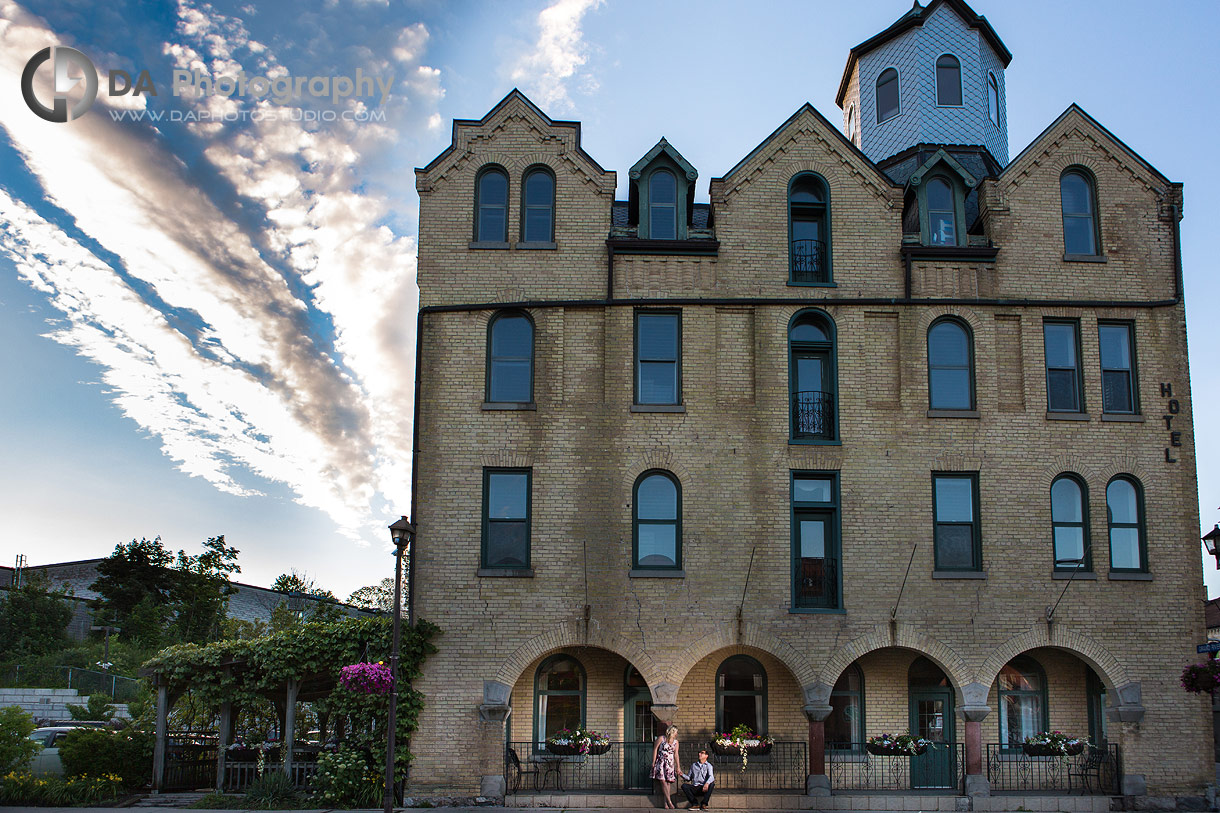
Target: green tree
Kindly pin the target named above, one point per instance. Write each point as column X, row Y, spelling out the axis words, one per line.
column 307, row 602
column 16, row 747
column 378, row 596
column 97, row 707
column 33, row 618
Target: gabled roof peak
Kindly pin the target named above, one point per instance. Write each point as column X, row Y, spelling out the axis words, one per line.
column 941, row 157
column 664, row 146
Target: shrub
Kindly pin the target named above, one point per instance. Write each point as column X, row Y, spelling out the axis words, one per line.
column 16, row 747
column 216, row 801
column 53, row 791
column 271, row 791
column 96, row 752
column 97, row 707
column 345, row 779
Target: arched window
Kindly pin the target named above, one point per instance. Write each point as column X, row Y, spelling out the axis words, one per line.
column 1125, row 511
column 510, row 358
column 887, row 95
column 662, row 205
column 538, row 209
column 1076, row 192
column 851, row 124
column 1021, row 688
column 1070, row 523
column 948, row 81
column 811, row 378
column 559, row 692
column 993, row 99
column 741, row 695
column 657, row 521
column 491, row 206
column 942, row 213
column 809, row 256
column 845, row 725
column 950, row 365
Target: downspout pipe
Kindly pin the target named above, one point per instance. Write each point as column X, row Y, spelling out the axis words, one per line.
column 419, row 333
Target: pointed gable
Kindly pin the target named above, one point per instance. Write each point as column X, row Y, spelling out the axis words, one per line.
column 662, row 158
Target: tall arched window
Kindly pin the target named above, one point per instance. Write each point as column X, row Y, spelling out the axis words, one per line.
column 993, row 99
column 942, row 213
column 657, row 521
column 741, row 695
column 1070, row 523
column 510, row 358
column 662, row 205
column 538, row 209
column 1021, row 688
column 1125, row 511
column 950, row 365
column 948, row 81
column 887, row 95
column 845, row 725
column 811, row 378
column 809, row 257
column 491, row 206
column 559, row 692
column 1080, row 234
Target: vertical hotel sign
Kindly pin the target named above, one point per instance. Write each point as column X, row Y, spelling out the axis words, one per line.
column 1172, row 408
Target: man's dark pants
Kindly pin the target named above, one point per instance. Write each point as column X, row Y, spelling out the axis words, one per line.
column 692, row 791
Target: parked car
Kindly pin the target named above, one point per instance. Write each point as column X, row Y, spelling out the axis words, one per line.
column 50, row 738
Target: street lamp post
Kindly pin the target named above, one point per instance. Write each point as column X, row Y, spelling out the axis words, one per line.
column 403, row 533
column 1209, row 540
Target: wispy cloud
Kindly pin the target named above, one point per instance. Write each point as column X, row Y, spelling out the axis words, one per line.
column 546, row 68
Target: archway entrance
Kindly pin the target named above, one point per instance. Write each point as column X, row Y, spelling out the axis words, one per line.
column 930, row 696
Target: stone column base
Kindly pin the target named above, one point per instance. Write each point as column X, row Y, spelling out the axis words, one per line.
column 1134, row 785
column 492, row 786
column 977, row 785
column 817, row 784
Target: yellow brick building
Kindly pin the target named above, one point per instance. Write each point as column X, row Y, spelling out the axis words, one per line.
column 893, row 434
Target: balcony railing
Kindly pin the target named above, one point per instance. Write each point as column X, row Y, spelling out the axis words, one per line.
column 1095, row 770
column 818, row 583
column 813, row 415
column 808, row 261
column 626, row 766
column 940, row 768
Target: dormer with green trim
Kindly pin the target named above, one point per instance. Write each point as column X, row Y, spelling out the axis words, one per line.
column 661, row 199
column 940, row 204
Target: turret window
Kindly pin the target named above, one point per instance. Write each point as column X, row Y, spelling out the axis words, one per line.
column 887, row 95
column 993, row 99
column 949, row 81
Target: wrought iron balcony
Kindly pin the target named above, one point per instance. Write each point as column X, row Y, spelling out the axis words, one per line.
column 1097, row 769
column 942, row 767
column 818, row 584
column 813, row 415
column 808, row 261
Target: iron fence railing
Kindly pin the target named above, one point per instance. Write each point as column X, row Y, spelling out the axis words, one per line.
column 813, row 415
column 86, row 681
column 1097, row 769
column 240, row 775
column 808, row 261
column 817, row 583
column 940, row 768
column 528, row 766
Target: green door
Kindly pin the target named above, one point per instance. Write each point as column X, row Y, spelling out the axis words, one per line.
column 932, row 719
column 639, row 733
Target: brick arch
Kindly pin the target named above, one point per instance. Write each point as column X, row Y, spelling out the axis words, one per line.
column 970, row 317
column 905, row 636
column 661, row 458
column 1061, row 636
column 753, row 636
column 569, row 634
column 1080, row 465
column 1075, row 158
column 1107, row 470
column 506, row 458
column 831, row 172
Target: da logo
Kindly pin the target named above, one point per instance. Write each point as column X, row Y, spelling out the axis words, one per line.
column 60, row 57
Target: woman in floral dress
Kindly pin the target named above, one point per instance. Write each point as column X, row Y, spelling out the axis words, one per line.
column 665, row 768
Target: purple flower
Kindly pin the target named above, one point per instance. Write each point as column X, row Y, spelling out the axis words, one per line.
column 369, row 678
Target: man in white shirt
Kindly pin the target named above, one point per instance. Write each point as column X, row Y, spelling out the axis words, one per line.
column 699, row 782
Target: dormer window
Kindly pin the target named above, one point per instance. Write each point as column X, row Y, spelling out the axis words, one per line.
column 662, row 205
column 935, row 204
column 948, row 81
column 942, row 215
column 887, row 95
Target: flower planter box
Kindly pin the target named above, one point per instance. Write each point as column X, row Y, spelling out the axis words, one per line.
column 893, row 751
column 597, row 749
column 241, row 755
column 734, row 750
column 1051, row 751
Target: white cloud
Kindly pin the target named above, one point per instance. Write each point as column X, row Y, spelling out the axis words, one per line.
column 555, row 56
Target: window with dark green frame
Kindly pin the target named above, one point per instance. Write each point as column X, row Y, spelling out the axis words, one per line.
column 491, row 206
column 741, row 695
column 538, row 206
column 950, row 365
column 816, row 578
column 1118, row 382
column 657, row 522
column 955, row 501
column 1125, row 515
column 510, row 358
column 845, row 723
column 942, row 212
column 506, row 518
column 1064, row 388
column 658, row 357
column 808, row 231
column 559, row 696
column 1070, row 524
column 812, row 378
column 662, row 205
column 1021, row 688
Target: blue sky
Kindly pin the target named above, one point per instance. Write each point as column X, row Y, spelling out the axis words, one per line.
column 208, row 323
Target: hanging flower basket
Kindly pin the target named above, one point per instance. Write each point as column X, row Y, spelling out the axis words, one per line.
column 367, row 678
column 1053, row 744
column 577, row 741
column 563, row 750
column 903, row 745
column 732, row 749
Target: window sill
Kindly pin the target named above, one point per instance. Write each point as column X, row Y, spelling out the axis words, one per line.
column 1084, row 258
column 1086, row 575
column 813, row 442
column 658, row 407
column 536, row 246
column 953, row 413
column 792, row 284
column 1067, row 416
column 508, row 406
column 488, row 244
column 505, row 572
column 1119, row 417
column 816, row 611
column 1130, row 577
column 959, row 574
column 656, row 574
